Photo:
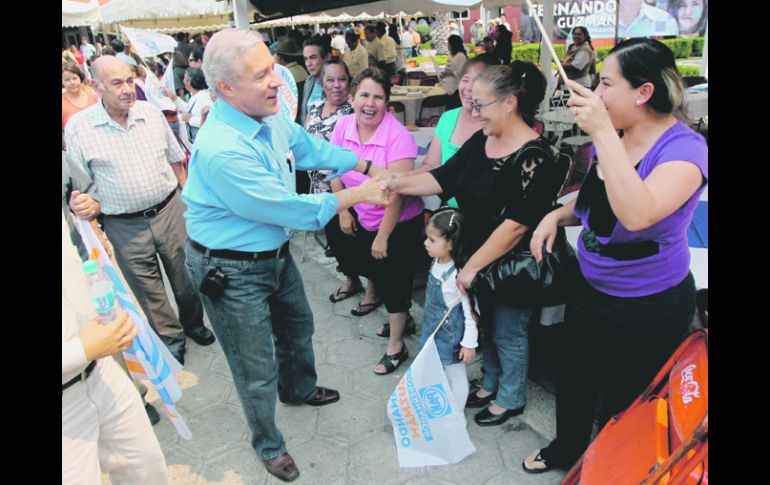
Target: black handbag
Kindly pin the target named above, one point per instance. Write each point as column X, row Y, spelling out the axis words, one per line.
column 517, row 279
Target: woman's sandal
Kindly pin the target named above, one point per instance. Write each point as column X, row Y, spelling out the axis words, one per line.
column 410, row 329
column 365, row 308
column 342, row 295
column 387, row 361
column 535, row 459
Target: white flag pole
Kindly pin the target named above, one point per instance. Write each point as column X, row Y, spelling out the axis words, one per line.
column 547, row 40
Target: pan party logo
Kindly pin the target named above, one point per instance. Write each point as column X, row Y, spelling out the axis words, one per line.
column 435, row 401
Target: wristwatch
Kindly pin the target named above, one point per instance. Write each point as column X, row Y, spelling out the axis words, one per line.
column 368, row 166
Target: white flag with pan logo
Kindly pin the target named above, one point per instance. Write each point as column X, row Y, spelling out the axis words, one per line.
column 428, row 426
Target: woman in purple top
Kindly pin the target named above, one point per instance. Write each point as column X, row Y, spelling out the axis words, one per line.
column 636, row 296
column 382, row 244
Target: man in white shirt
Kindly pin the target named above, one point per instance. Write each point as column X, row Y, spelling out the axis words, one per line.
column 338, row 42
column 128, row 149
column 104, row 425
column 87, row 49
column 407, row 41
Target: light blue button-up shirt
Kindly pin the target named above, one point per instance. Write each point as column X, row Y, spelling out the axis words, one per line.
column 241, row 190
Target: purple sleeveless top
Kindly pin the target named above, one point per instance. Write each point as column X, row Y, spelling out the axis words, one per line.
column 659, row 272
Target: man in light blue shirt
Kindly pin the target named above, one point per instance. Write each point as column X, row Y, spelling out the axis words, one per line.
column 242, row 210
column 87, row 49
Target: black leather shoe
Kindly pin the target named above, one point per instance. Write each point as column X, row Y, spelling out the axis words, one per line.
column 323, row 396
column 202, row 336
column 179, row 356
column 283, row 467
column 152, row 413
column 486, row 418
column 474, row 401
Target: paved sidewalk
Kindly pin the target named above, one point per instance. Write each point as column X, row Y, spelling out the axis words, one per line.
column 350, row 442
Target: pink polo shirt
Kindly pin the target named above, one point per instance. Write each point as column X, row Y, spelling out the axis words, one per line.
column 391, row 142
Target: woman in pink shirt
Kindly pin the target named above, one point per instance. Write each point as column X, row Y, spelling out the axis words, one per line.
column 380, row 243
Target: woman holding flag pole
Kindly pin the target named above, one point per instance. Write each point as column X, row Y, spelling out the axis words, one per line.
column 635, row 205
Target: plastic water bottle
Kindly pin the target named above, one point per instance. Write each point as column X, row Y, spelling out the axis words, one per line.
column 102, row 292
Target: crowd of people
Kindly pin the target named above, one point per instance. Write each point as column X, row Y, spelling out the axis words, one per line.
column 220, row 215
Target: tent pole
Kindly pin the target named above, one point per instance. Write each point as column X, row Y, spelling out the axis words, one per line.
column 704, row 67
column 241, row 14
column 617, row 20
column 545, row 54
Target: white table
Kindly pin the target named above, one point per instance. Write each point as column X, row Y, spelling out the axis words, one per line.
column 557, row 121
column 576, row 141
column 413, row 100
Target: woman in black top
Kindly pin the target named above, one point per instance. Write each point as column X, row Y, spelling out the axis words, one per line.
column 503, row 45
column 501, row 196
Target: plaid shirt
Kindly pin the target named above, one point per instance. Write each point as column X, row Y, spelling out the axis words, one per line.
column 130, row 166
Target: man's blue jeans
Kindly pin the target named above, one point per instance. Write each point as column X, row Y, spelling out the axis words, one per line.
column 263, row 308
column 505, row 348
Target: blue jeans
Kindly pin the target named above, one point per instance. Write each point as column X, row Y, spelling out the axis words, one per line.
column 505, row 347
column 450, row 335
column 264, row 308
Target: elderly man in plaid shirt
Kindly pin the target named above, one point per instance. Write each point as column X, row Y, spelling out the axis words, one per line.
column 129, row 150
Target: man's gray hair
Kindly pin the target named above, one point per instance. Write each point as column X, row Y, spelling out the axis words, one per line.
column 223, row 54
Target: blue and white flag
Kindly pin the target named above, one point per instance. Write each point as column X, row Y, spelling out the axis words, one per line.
column 148, row 358
column 428, row 425
column 154, row 93
column 148, row 43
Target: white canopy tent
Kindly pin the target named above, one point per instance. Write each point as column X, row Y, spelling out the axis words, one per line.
column 393, row 7
column 122, row 10
column 81, row 13
column 323, row 18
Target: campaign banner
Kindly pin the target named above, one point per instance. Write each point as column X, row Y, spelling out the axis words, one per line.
column 288, row 94
column 428, row 425
column 148, row 43
column 655, row 18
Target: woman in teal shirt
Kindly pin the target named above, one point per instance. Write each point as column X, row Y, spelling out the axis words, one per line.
column 457, row 125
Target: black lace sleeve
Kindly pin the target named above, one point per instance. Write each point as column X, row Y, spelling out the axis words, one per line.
column 537, row 180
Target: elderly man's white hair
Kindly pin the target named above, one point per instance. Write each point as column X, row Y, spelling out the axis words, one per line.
column 223, row 54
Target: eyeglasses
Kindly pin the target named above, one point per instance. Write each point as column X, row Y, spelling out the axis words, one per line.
column 476, row 108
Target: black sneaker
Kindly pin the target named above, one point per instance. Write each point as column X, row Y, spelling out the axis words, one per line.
column 152, row 413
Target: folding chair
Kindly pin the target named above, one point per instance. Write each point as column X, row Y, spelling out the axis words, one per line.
column 559, row 100
column 439, row 101
column 396, row 107
column 662, row 438
column 577, row 171
column 429, row 81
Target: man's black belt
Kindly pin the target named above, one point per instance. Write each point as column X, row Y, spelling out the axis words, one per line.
column 619, row 251
column 78, row 377
column 151, row 212
column 242, row 255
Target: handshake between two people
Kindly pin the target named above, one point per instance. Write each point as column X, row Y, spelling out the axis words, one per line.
column 379, row 187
